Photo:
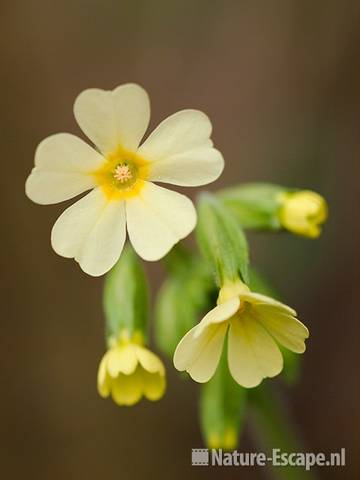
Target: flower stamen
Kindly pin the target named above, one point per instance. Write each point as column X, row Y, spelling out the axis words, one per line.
column 122, row 173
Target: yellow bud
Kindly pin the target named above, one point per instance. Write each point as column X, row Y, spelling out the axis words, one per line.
column 303, row 212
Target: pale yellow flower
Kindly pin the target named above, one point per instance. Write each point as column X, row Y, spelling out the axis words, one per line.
column 255, row 324
column 303, row 212
column 120, row 172
column 129, row 371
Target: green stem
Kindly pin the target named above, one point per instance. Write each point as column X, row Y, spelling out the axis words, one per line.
column 273, row 427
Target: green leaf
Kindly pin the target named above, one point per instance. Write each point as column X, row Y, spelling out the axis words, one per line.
column 221, row 240
column 255, row 205
column 182, row 299
column 222, row 408
column 126, row 296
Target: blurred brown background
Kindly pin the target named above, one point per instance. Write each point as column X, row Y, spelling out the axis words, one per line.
column 281, row 82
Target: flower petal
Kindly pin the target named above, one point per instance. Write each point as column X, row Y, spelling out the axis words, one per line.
column 287, row 330
column 149, row 361
column 103, row 384
column 154, row 385
column 222, row 312
column 252, row 354
column 122, row 360
column 191, row 168
column 181, row 132
column 127, row 389
column 259, row 299
column 200, row 355
column 157, row 219
column 63, row 166
column 92, row 231
column 113, row 118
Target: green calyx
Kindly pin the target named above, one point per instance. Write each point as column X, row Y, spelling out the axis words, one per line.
column 221, row 240
column 126, row 298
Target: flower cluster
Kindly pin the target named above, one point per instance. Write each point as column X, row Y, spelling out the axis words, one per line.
column 244, row 338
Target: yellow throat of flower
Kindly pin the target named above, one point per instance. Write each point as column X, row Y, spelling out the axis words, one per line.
column 232, row 289
column 122, row 175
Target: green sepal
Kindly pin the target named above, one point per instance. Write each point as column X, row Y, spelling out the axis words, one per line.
column 255, row 205
column 222, row 408
column 188, row 292
column 222, row 240
column 292, row 361
column 126, row 297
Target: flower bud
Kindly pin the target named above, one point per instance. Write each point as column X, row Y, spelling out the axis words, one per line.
column 303, row 212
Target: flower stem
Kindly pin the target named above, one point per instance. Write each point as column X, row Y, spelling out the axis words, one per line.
column 272, row 427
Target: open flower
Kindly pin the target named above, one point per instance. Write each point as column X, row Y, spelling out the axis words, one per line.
column 256, row 323
column 128, row 371
column 120, row 174
column 303, row 212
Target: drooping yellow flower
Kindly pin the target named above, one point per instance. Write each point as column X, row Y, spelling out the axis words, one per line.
column 255, row 324
column 120, row 172
column 129, row 371
column 303, row 212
